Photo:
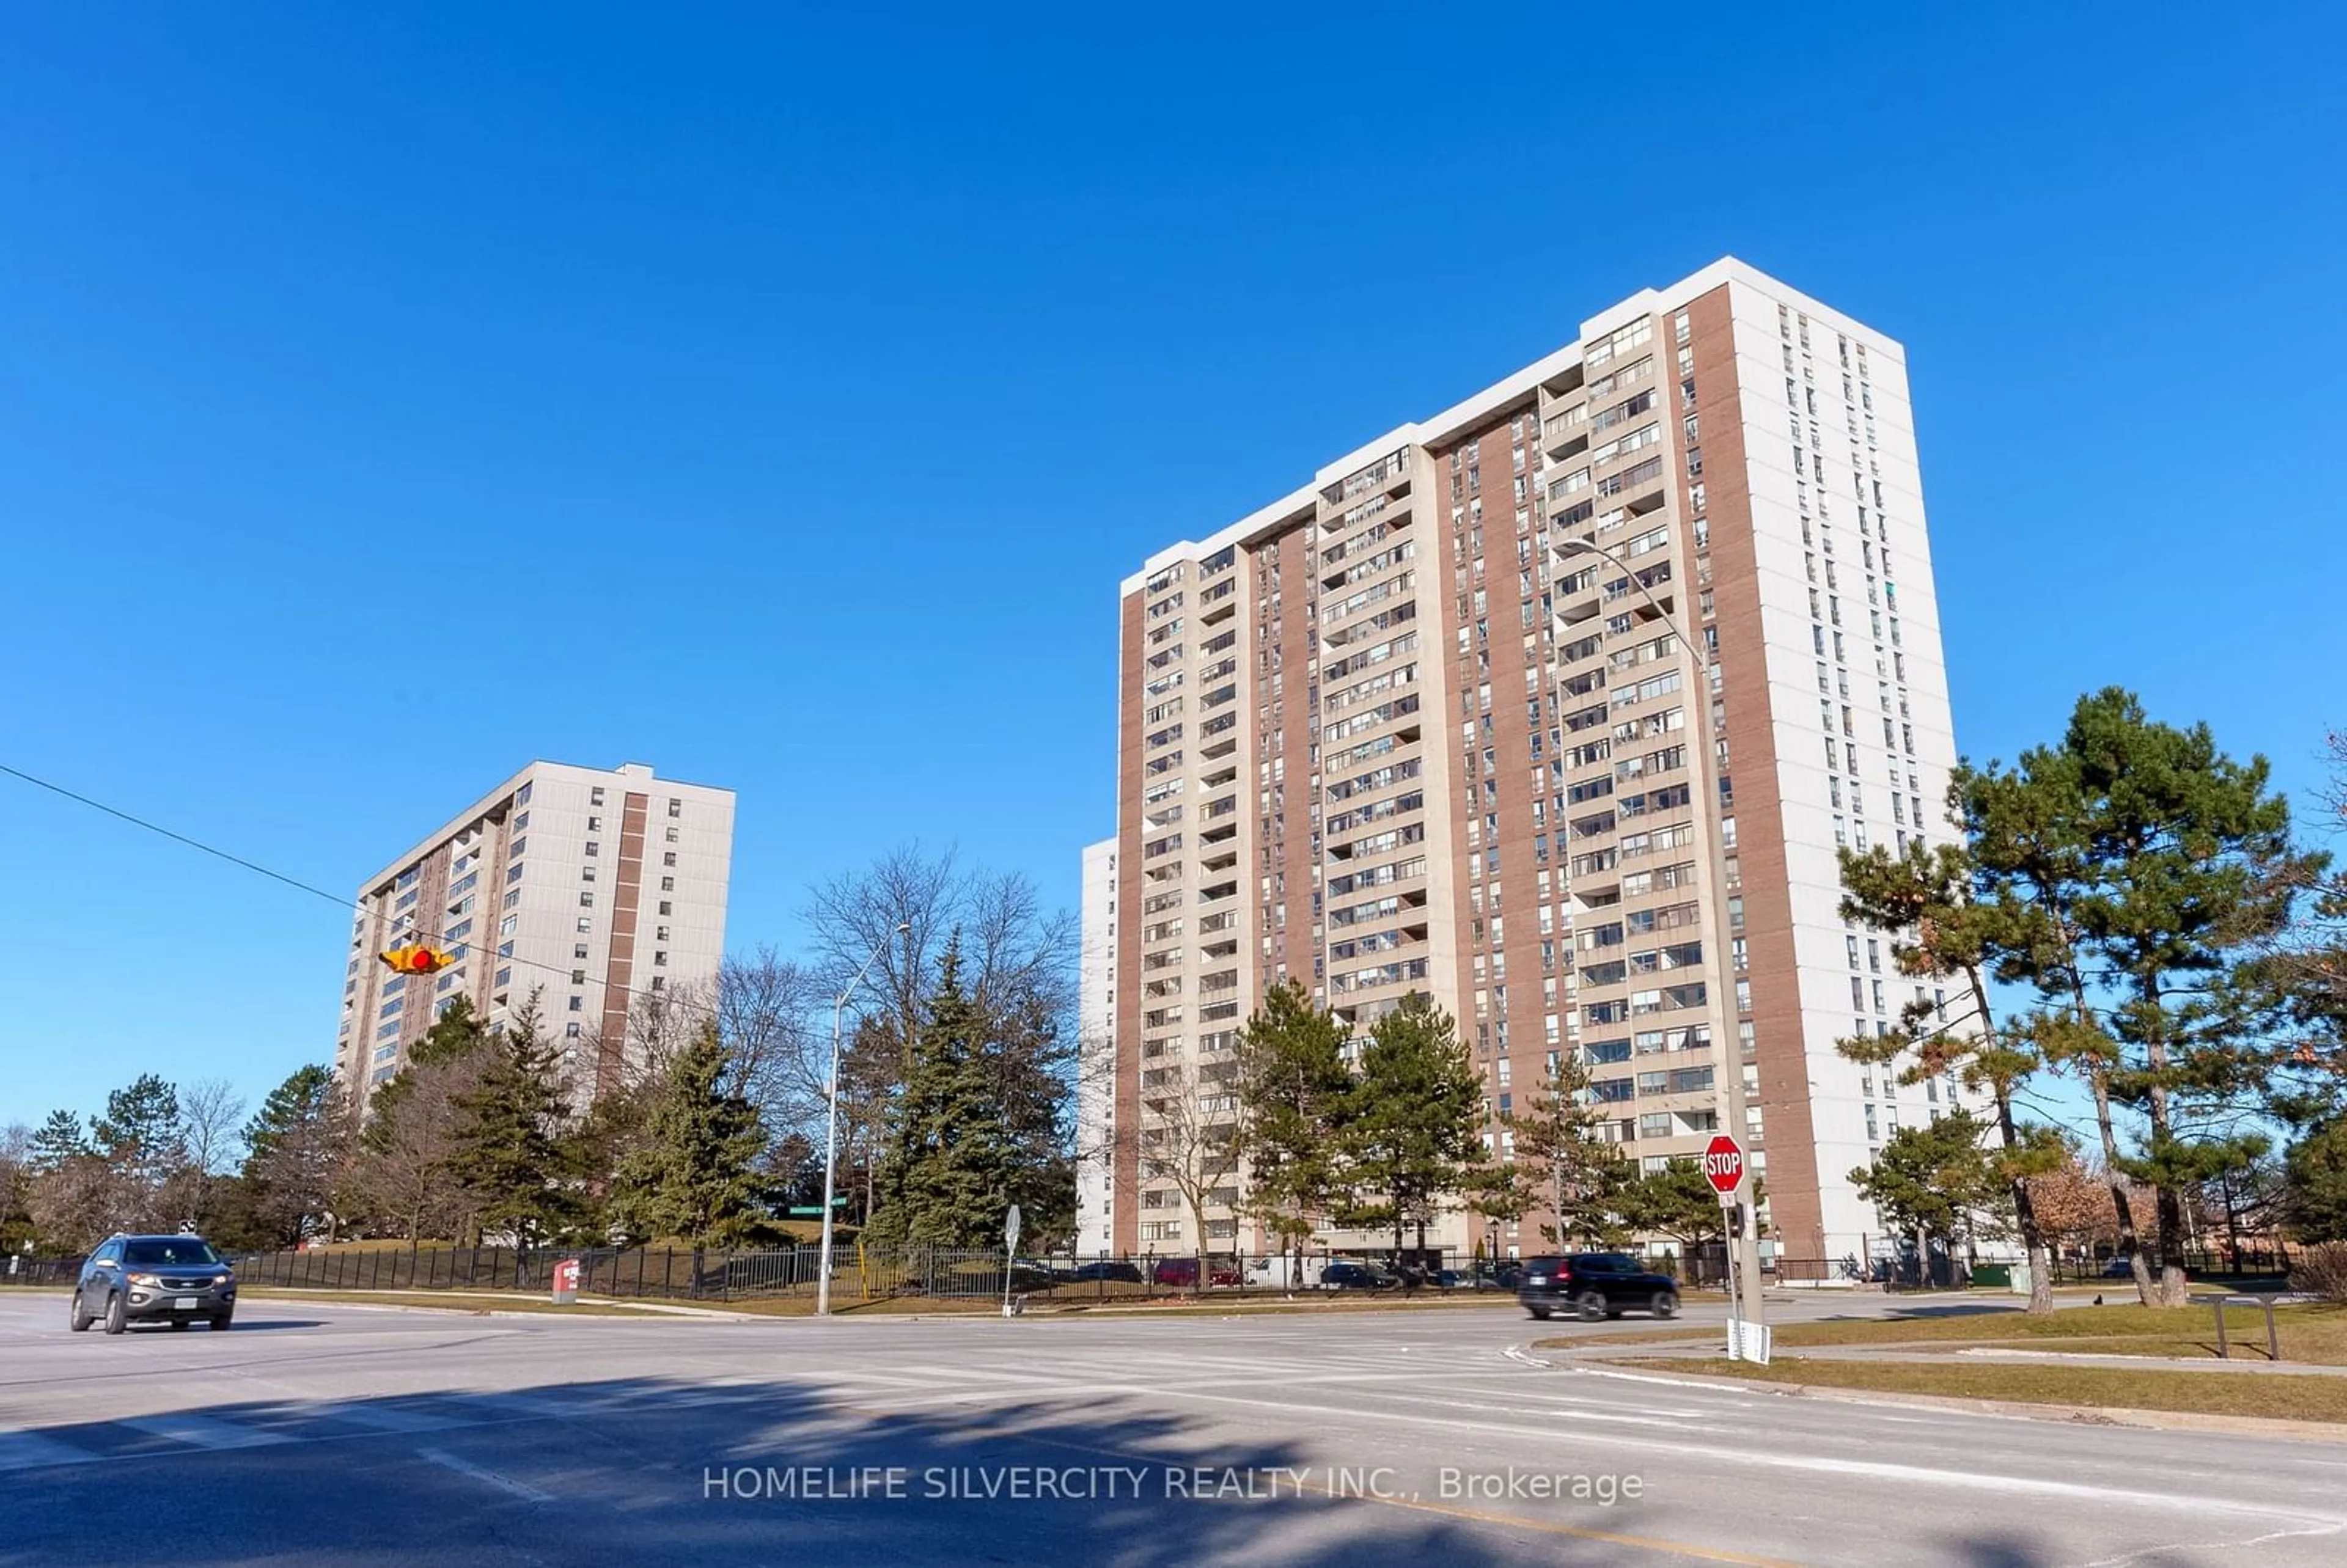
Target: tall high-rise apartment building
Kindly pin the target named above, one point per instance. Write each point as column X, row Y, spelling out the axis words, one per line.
column 1096, row 1052
column 1555, row 707
column 583, row 887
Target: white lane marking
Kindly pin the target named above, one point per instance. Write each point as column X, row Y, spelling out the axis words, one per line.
column 2126, row 1557
column 537, row 1405
column 202, row 1432
column 388, row 1418
column 1871, row 1470
column 23, row 1451
column 504, row 1483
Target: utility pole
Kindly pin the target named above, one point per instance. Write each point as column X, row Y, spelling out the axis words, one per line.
column 831, row 1122
column 1727, row 1053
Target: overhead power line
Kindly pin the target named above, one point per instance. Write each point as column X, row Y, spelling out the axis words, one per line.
column 336, row 899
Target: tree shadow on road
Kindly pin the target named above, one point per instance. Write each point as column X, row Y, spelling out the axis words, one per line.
column 655, row 1470
column 662, row 1470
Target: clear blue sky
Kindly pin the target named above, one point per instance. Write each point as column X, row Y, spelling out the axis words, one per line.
column 363, row 370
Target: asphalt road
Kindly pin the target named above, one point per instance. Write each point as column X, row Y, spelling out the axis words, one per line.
column 333, row 1434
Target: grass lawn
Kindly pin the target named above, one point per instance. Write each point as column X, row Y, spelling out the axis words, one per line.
column 2316, row 1335
column 446, row 1300
column 2278, row 1396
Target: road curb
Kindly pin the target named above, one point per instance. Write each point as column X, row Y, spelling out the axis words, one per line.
column 2008, row 1410
column 624, row 1313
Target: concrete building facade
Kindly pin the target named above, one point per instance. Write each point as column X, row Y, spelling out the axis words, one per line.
column 1096, row 1052
column 583, row 887
column 1556, row 707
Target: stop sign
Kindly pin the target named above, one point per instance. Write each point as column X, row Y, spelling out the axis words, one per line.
column 1723, row 1164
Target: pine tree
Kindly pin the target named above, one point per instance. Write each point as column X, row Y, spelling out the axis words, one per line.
column 1567, row 1166
column 1409, row 1124
column 1292, row 1086
column 1935, row 1179
column 953, row 1166
column 1675, row 1201
column 693, row 1174
column 145, row 1147
column 2315, row 1200
column 2141, row 867
column 402, row 1177
column 299, row 1145
column 1925, row 899
column 56, row 1141
column 507, row 1147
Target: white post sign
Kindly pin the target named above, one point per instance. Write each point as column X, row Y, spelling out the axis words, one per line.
column 1009, row 1253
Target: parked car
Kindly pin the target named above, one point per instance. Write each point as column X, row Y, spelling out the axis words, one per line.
column 1031, row 1274
column 1114, row 1271
column 2119, row 1268
column 1183, row 1273
column 1447, row 1279
column 173, row 1279
column 1595, row 1285
column 1348, row 1275
column 1284, row 1271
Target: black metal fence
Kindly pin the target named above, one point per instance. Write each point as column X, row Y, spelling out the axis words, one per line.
column 862, row 1274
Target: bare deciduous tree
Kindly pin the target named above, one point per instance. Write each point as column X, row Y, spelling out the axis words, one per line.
column 211, row 1127
column 1189, row 1137
column 1018, row 965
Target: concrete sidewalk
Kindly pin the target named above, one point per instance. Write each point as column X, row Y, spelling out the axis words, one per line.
column 1943, row 1353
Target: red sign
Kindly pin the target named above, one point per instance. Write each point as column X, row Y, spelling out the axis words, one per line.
column 1723, row 1164
column 566, row 1279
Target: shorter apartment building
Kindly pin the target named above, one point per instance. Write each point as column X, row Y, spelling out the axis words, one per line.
column 578, row 887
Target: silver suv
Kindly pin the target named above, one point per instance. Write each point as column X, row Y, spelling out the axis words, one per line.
column 173, row 1279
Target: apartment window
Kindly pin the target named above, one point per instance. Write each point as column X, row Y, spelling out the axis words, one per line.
column 504, row 977
column 584, row 925
column 671, row 835
column 521, row 795
column 594, row 824
column 664, row 907
column 675, row 807
column 586, row 874
column 593, row 847
column 595, row 795
column 506, row 926
column 660, row 934
column 668, row 884
column 573, row 1030
column 578, row 950
column 521, row 821
column 586, row 900
column 668, row 857
column 660, row 982
column 578, row 1004
column 660, row 960
column 578, row 976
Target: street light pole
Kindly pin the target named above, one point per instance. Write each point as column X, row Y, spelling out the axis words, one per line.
column 831, row 1121
column 1746, row 1260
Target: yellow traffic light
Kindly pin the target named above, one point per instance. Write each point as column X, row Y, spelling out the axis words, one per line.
column 416, row 960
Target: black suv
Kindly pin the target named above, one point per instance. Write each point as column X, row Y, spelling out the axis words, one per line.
column 1594, row 1285
column 1345, row 1274
column 173, row 1279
